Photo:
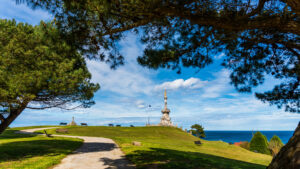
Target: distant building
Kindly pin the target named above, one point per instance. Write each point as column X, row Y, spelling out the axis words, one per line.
column 238, row 143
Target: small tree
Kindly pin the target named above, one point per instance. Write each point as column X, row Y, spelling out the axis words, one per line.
column 259, row 143
column 38, row 70
column 275, row 145
column 198, row 130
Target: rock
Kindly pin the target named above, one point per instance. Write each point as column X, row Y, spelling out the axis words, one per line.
column 289, row 155
column 198, row 142
column 136, row 143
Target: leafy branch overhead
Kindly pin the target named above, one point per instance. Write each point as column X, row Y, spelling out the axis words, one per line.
column 258, row 38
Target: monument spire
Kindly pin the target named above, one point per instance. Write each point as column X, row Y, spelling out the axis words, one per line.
column 73, row 123
column 165, row 119
column 165, row 98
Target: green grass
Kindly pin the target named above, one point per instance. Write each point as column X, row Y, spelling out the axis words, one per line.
column 164, row 147
column 23, row 151
column 32, row 127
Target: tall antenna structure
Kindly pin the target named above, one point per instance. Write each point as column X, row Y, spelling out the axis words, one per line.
column 148, row 109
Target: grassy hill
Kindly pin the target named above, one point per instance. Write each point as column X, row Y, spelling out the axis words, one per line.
column 165, row 147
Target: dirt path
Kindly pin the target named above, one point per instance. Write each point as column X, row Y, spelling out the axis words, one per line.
column 95, row 153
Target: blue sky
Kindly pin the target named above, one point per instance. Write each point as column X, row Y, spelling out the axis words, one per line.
column 194, row 96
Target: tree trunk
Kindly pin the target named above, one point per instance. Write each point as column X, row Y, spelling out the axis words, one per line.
column 5, row 122
column 289, row 155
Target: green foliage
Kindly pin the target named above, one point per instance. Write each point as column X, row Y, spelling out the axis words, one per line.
column 38, row 70
column 259, row 143
column 198, row 130
column 275, row 145
column 36, row 64
column 258, row 38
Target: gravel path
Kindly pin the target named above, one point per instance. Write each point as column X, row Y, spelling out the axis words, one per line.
column 95, row 153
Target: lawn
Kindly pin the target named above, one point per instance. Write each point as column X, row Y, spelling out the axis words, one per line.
column 22, row 151
column 165, row 147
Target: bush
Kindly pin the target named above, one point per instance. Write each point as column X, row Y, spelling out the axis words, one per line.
column 259, row 143
column 275, row 145
column 245, row 145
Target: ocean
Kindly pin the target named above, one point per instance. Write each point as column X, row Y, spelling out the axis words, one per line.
column 237, row 136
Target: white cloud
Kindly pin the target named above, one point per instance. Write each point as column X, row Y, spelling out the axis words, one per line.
column 191, row 83
column 140, row 104
column 22, row 13
column 130, row 79
column 215, row 88
column 220, row 56
column 209, row 88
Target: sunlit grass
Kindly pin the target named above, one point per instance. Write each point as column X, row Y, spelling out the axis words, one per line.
column 166, row 147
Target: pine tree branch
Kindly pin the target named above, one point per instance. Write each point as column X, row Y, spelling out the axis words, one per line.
column 2, row 118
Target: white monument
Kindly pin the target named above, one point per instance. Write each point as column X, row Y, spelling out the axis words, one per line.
column 165, row 120
column 73, row 123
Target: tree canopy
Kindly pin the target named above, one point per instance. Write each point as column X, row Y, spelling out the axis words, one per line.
column 259, row 38
column 198, row 130
column 39, row 70
column 275, row 145
column 259, row 143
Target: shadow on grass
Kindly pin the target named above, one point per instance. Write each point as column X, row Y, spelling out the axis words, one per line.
column 12, row 134
column 170, row 159
column 26, row 149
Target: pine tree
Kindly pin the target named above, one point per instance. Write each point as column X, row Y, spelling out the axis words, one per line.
column 275, row 145
column 259, row 143
column 198, row 130
column 39, row 70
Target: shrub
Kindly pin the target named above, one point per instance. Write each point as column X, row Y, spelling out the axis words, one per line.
column 259, row 143
column 245, row 145
column 275, row 145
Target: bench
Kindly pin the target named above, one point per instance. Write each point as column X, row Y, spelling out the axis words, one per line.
column 83, row 124
column 61, row 130
column 48, row 135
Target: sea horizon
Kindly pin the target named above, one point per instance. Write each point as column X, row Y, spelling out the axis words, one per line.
column 248, row 130
column 232, row 136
